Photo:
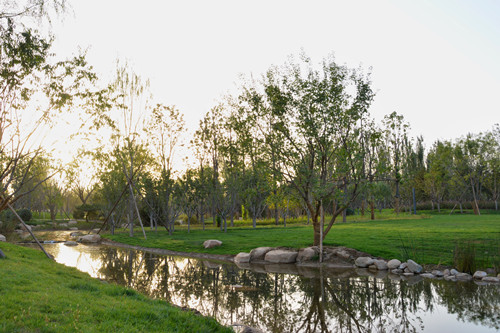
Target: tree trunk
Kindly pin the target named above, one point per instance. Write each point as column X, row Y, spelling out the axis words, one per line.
column 363, row 208
column 372, row 210
column 476, row 206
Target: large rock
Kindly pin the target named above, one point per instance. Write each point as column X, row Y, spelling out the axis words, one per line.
column 307, row 254
column 76, row 234
column 90, row 239
column 2, row 238
column 491, row 279
column 26, row 227
column 393, row 264
column 437, row 273
column 281, row 256
column 242, row 257
column 363, row 262
column 208, row 244
column 478, row 275
column 428, row 275
column 73, row 228
column 463, row 277
column 259, row 253
column 454, row 272
column 70, row 243
column 381, row 265
column 414, row 267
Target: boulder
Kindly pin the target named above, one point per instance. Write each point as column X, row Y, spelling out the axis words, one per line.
column 242, row 257
column 281, row 256
column 381, row 265
column 393, row 264
column 403, row 266
column 450, row 278
column 25, row 228
column 463, row 277
column 363, row 262
column 259, row 253
column 90, row 239
column 428, row 275
column 76, row 234
column 2, row 238
column 306, row 254
column 454, row 272
column 414, row 267
column 446, row 272
column 491, row 279
column 437, row 273
column 343, row 254
column 478, row 275
column 73, row 228
column 208, row 244
column 70, row 243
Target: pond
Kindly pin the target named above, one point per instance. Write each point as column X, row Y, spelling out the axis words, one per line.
column 306, row 300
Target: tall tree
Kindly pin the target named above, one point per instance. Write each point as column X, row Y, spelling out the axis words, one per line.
column 396, row 134
column 320, row 114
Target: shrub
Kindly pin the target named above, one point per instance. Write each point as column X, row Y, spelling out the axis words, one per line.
column 25, row 214
column 78, row 214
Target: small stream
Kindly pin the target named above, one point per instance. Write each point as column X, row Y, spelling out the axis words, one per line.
column 283, row 300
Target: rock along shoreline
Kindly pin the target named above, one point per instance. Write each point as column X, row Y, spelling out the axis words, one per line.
column 337, row 261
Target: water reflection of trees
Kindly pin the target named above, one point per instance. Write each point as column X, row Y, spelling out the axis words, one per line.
column 291, row 303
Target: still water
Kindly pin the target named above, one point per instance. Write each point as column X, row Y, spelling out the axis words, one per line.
column 306, row 300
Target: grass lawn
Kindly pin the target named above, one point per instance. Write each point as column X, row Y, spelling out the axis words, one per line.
column 428, row 239
column 39, row 295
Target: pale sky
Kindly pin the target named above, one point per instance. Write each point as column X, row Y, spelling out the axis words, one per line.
column 436, row 62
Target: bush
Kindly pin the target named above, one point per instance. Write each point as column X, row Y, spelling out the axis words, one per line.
column 78, row 214
column 25, row 214
column 7, row 227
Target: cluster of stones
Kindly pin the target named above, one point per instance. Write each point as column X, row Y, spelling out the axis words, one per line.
column 411, row 268
column 276, row 255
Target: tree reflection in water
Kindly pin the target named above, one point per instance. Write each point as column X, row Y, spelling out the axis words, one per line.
column 279, row 302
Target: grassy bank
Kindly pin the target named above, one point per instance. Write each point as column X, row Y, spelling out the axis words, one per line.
column 39, row 295
column 430, row 239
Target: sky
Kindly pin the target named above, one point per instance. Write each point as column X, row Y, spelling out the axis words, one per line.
column 435, row 62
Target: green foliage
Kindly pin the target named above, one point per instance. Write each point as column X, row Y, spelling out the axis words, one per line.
column 25, row 214
column 78, row 214
column 464, row 257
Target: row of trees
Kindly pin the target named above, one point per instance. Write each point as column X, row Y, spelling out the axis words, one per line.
column 298, row 140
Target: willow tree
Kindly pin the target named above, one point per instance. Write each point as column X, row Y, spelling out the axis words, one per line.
column 319, row 126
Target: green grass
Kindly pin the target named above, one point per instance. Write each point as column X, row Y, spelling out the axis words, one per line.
column 39, row 295
column 429, row 239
